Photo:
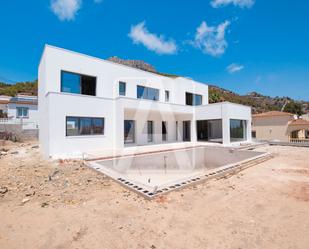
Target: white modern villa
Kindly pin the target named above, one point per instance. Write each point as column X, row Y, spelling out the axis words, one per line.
column 87, row 104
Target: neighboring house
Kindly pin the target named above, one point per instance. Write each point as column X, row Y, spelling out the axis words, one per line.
column 279, row 126
column 23, row 110
column 88, row 104
column 305, row 116
column 4, row 100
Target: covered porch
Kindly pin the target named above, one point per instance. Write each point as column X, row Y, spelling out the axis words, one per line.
column 298, row 131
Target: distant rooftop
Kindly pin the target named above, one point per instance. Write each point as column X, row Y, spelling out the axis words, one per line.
column 272, row 114
column 299, row 121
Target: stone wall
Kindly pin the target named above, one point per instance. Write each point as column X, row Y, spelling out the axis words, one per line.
column 16, row 133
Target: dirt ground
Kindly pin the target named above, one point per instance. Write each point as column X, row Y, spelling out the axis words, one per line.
column 66, row 205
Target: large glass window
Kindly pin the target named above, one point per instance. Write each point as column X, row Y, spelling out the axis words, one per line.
column 193, row 99
column 77, row 83
column 98, row 126
column 150, row 131
column 209, row 130
column 122, row 88
column 22, row 112
column 85, row 126
column 147, row 93
column 129, row 131
column 72, row 126
column 238, row 130
column 79, row 126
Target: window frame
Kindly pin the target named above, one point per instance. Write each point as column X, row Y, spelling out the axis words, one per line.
column 235, row 130
column 167, row 96
column 145, row 93
column 125, row 88
column 133, row 131
column 79, row 126
column 80, row 82
column 150, row 134
column 22, row 108
column 193, row 99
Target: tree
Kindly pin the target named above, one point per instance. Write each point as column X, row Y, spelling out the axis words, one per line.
column 293, row 107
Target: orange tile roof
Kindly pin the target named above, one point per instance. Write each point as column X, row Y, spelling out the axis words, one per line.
column 299, row 122
column 4, row 101
column 272, row 114
column 24, row 102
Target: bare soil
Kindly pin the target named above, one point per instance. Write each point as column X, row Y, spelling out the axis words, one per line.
column 63, row 204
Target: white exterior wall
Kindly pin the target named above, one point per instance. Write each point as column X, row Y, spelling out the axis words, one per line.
column 226, row 111
column 54, row 105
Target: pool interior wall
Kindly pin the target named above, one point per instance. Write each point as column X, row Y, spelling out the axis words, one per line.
column 158, row 171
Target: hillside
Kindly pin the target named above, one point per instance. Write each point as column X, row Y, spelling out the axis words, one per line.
column 258, row 102
column 29, row 87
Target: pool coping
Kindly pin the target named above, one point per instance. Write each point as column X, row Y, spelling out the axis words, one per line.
column 145, row 191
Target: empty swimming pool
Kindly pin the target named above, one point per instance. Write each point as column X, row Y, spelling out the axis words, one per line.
column 158, row 172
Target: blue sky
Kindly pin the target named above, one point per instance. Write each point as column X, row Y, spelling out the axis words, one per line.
column 242, row 45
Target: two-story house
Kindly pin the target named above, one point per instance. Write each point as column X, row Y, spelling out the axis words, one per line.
column 88, row 104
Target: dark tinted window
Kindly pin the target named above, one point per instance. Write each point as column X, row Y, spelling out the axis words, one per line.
column 147, row 93
column 88, row 85
column 164, row 131
column 238, row 130
column 85, row 126
column 98, row 125
column 77, row 83
column 78, row 126
column 129, row 131
column 122, row 88
column 193, row 99
column 150, row 131
column 167, row 96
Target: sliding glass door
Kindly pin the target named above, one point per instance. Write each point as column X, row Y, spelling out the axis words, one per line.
column 129, row 131
column 209, row 130
column 186, row 131
column 238, row 130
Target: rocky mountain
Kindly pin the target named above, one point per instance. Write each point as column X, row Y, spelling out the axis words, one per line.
column 258, row 102
column 134, row 63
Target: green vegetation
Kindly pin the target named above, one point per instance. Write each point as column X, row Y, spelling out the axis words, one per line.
column 258, row 102
column 293, row 107
column 29, row 87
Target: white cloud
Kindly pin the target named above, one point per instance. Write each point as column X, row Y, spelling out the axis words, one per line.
column 140, row 35
column 233, row 68
column 239, row 3
column 65, row 10
column 211, row 39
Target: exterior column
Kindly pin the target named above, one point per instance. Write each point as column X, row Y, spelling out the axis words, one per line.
column 249, row 129
column 118, row 126
column 226, row 130
column 193, row 130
